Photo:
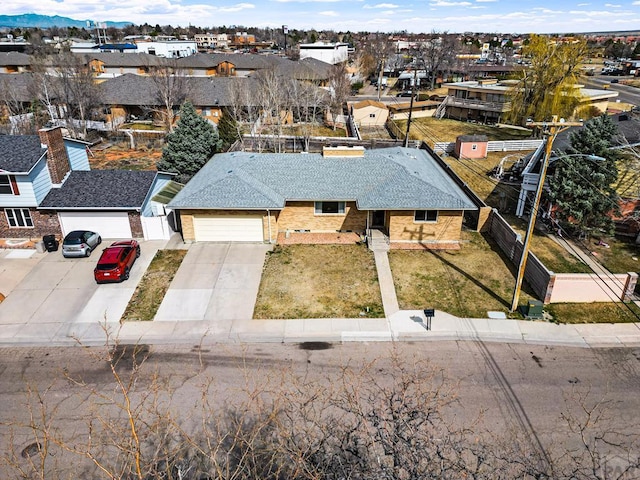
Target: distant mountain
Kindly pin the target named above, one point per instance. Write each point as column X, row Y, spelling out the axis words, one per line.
column 33, row 20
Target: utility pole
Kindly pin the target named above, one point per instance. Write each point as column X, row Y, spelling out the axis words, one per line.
column 413, row 94
column 550, row 131
column 380, row 75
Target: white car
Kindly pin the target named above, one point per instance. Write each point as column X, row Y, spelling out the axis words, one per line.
column 80, row 243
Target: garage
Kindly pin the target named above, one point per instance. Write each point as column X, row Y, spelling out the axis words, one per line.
column 106, row 224
column 228, row 228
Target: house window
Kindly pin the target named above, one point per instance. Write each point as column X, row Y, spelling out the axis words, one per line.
column 474, row 147
column 18, row 217
column 329, row 208
column 425, row 216
column 372, row 115
column 5, row 185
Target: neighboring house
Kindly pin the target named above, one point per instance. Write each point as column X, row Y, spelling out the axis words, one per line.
column 47, row 187
column 332, row 53
column 369, row 113
column 425, row 108
column 30, row 166
column 14, row 62
column 244, row 196
column 225, row 64
column 130, row 96
column 111, row 65
column 113, row 203
column 486, row 100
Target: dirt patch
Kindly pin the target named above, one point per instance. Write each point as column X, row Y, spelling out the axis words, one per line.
column 120, row 156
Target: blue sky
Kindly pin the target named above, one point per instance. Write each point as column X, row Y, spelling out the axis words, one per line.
column 499, row 16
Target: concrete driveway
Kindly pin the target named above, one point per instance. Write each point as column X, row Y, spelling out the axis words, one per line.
column 58, row 296
column 217, row 283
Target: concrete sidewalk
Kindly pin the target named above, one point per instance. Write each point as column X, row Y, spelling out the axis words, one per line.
column 404, row 325
column 231, row 274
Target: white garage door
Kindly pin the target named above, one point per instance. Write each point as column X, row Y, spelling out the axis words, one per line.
column 228, row 228
column 106, row 224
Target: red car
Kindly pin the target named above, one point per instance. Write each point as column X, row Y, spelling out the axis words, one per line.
column 116, row 261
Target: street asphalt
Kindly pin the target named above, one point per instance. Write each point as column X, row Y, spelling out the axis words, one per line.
column 51, row 300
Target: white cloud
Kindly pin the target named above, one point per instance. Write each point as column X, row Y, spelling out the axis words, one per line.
column 444, row 3
column 382, row 5
column 329, row 13
column 237, row 8
column 612, row 5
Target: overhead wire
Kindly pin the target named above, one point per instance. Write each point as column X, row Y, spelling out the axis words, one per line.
column 479, row 170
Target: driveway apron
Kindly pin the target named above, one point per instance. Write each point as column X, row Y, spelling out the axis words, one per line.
column 216, row 283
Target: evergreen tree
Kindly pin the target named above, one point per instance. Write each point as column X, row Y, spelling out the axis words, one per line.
column 582, row 188
column 189, row 146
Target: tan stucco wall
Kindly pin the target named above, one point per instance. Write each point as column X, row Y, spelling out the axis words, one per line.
column 189, row 235
column 301, row 216
column 403, row 228
column 361, row 116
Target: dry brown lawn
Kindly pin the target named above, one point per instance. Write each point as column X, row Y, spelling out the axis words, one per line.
column 466, row 283
column 433, row 130
column 153, row 286
column 319, row 281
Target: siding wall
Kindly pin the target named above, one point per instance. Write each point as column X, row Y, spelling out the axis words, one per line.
column 40, row 179
column 158, row 184
column 403, row 228
column 78, row 158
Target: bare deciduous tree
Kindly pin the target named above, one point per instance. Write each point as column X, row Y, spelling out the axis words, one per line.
column 171, row 90
column 77, row 90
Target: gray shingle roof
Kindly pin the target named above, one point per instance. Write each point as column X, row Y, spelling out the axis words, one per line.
column 19, row 153
column 17, row 87
column 117, row 59
column 392, row 178
column 12, row 59
column 131, row 89
column 101, row 189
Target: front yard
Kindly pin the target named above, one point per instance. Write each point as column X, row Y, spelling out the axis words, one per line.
column 319, row 281
column 466, row 283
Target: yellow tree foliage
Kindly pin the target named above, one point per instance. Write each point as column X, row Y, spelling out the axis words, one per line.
column 548, row 86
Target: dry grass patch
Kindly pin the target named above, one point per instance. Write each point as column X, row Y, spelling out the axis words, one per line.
column 319, row 281
column 432, row 130
column 153, row 286
column 466, row 283
column 594, row 312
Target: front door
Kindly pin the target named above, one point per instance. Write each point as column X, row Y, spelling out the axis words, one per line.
column 377, row 219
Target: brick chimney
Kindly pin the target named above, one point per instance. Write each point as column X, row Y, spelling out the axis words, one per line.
column 57, row 159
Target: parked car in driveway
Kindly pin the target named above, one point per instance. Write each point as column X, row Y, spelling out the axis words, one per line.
column 116, row 261
column 80, row 243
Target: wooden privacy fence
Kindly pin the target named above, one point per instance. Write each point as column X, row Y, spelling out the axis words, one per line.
column 560, row 287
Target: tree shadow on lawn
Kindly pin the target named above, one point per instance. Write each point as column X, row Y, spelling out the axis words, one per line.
column 493, row 246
